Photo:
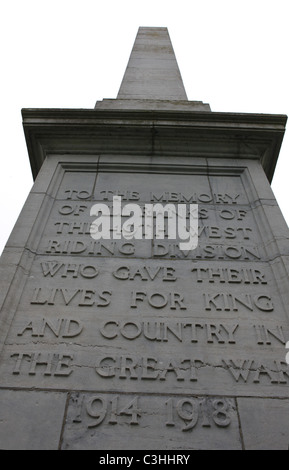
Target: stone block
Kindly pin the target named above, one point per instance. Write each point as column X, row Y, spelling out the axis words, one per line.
column 265, row 423
column 117, row 422
column 31, row 420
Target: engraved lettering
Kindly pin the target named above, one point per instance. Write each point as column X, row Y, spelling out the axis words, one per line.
column 95, row 248
column 158, row 300
column 146, row 368
column 227, row 302
column 217, row 252
column 149, row 371
column 71, row 228
column 181, row 331
column 264, row 334
column 47, row 364
column 130, row 330
column 239, row 369
column 51, row 268
column 72, row 193
column 247, row 370
column 72, row 209
column 264, row 371
column 61, row 328
column 228, row 214
column 230, row 275
column 107, row 195
column 145, row 273
column 203, row 198
column 82, row 297
column 99, row 408
column 192, row 411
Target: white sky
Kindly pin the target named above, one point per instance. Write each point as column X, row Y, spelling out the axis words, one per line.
column 69, row 54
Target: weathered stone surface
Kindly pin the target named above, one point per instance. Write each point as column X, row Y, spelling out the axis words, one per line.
column 31, row 420
column 149, row 104
column 131, row 305
column 264, row 423
column 109, row 421
column 152, row 71
column 154, row 347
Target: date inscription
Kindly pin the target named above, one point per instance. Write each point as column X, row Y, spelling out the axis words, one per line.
column 182, row 413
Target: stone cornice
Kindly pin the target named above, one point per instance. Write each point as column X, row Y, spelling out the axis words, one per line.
column 153, row 132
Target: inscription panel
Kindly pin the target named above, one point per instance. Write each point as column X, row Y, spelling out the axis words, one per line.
column 143, row 315
column 153, row 325
column 175, row 422
column 224, row 233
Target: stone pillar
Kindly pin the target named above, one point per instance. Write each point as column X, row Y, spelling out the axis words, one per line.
column 139, row 344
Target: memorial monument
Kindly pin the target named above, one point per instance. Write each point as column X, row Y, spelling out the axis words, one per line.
column 119, row 343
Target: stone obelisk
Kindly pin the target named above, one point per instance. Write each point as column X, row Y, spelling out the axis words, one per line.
column 135, row 343
column 152, row 71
